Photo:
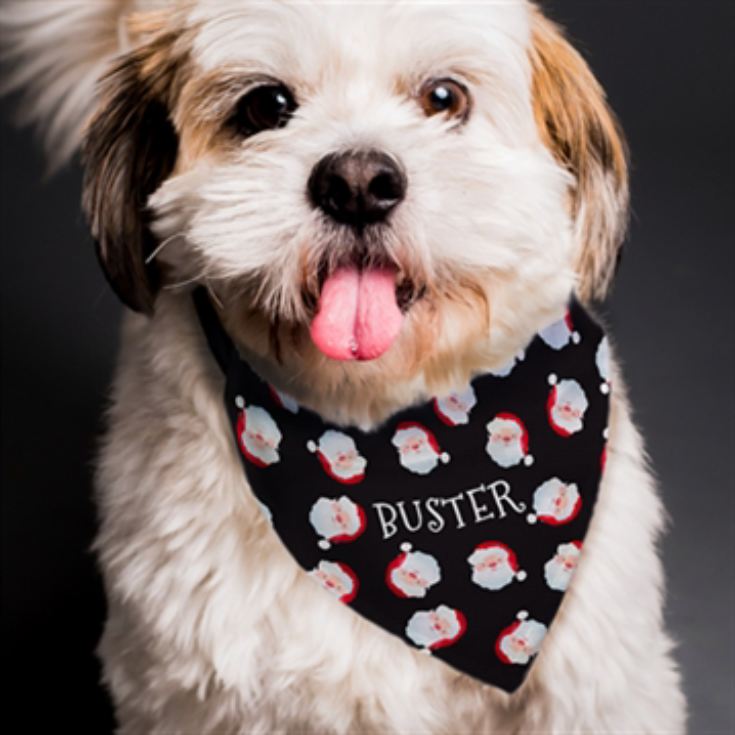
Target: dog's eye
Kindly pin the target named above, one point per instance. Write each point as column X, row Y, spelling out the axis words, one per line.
column 445, row 96
column 266, row 107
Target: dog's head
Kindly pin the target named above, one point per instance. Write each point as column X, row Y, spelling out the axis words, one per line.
column 411, row 184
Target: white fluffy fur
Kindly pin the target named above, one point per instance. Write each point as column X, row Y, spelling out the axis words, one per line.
column 212, row 626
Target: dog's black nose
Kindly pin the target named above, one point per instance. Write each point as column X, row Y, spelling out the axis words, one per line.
column 357, row 187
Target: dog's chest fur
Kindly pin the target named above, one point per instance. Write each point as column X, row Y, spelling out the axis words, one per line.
column 214, row 628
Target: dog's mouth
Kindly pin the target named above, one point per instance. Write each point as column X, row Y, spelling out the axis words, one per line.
column 361, row 306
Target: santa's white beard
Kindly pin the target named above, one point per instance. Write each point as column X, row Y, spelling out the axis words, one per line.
column 556, row 335
column 333, row 579
column 546, row 496
column 405, row 584
column 523, row 642
column 602, row 359
column 557, row 575
column 323, row 518
column 493, row 579
column 287, row 401
column 421, row 627
column 421, row 462
column 416, row 574
column 266, row 511
column 260, row 451
column 455, row 413
column 505, row 455
column 570, row 424
column 346, row 470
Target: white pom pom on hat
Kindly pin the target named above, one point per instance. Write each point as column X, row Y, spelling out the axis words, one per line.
column 239, row 401
column 311, row 446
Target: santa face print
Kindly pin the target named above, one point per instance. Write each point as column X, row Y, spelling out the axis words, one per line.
column 284, row 400
column 418, row 450
column 559, row 569
column 555, row 502
column 266, row 511
column 337, row 579
column 337, row 520
column 259, row 436
column 507, row 441
column 566, row 406
column 339, row 457
column 560, row 333
column 432, row 629
column 412, row 573
column 451, row 515
column 454, row 409
column 494, row 566
column 602, row 360
column 519, row 642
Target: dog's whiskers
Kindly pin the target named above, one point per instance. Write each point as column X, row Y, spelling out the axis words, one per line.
column 214, row 296
column 182, row 284
column 156, row 252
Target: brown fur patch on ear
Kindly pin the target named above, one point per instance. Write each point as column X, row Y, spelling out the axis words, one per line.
column 130, row 147
column 581, row 131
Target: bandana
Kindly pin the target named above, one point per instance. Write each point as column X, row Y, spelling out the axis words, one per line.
column 457, row 524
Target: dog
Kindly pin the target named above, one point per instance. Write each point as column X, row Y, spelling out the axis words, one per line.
column 258, row 148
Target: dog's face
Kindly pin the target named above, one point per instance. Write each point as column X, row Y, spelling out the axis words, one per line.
column 404, row 187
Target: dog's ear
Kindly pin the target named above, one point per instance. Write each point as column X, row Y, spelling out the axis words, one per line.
column 129, row 148
column 582, row 133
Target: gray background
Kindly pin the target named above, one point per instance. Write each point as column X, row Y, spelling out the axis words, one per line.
column 668, row 70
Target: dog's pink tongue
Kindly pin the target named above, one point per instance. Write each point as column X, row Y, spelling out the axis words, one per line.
column 357, row 317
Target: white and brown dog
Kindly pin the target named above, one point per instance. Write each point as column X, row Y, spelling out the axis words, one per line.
column 459, row 163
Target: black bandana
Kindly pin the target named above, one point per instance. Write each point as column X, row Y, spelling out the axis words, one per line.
column 457, row 524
